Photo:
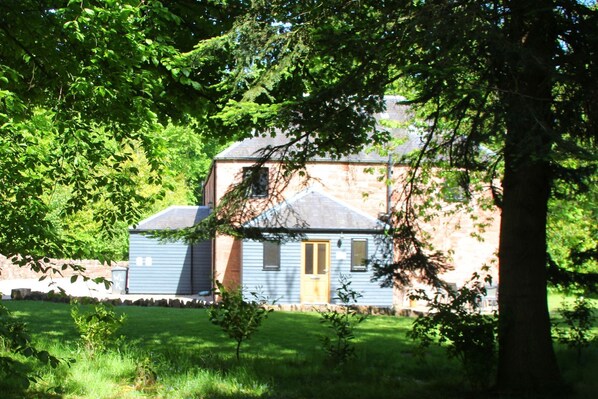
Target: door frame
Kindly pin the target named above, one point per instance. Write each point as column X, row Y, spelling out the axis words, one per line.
column 323, row 279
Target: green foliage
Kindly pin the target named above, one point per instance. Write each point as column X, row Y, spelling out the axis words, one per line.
column 85, row 89
column 189, row 155
column 455, row 322
column 145, row 374
column 575, row 330
column 15, row 348
column 342, row 320
column 97, row 328
column 572, row 236
column 502, row 88
column 239, row 318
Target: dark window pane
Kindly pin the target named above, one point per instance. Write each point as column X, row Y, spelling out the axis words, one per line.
column 359, row 255
column 271, row 255
column 260, row 188
column 309, row 258
column 258, row 182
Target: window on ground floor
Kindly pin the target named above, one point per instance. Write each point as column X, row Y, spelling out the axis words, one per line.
column 271, row 255
column 359, row 255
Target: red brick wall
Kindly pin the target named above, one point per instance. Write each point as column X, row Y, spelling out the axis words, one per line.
column 94, row 268
column 361, row 186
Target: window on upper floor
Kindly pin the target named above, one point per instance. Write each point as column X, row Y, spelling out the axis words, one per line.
column 258, row 182
column 359, row 255
column 271, row 255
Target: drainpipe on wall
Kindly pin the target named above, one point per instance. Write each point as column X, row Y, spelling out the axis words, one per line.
column 191, row 271
column 388, row 186
column 214, row 198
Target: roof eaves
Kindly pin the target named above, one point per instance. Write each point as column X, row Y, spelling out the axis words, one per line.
column 223, row 153
column 161, row 214
column 318, row 230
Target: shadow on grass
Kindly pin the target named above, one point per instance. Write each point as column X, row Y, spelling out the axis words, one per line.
column 284, row 359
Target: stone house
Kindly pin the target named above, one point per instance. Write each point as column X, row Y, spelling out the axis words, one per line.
column 337, row 209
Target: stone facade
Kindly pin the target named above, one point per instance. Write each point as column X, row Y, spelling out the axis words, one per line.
column 361, row 186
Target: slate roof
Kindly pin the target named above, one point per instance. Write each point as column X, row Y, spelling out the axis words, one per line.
column 174, row 217
column 395, row 115
column 311, row 210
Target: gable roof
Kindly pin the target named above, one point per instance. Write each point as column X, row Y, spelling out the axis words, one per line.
column 395, row 115
column 174, row 217
column 313, row 210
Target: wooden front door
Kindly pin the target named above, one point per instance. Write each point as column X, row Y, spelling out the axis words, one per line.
column 315, row 265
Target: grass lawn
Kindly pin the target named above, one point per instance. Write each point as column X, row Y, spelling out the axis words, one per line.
column 178, row 353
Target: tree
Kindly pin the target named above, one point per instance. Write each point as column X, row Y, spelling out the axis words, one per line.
column 573, row 239
column 239, row 315
column 505, row 87
column 190, row 156
column 85, row 88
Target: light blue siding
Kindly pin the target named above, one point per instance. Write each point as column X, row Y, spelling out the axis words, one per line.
column 168, row 267
column 284, row 285
column 281, row 285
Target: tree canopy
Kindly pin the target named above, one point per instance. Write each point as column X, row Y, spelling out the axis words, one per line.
column 506, row 88
column 86, row 88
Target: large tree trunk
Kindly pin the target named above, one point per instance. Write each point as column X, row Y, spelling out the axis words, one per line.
column 527, row 363
column 526, row 357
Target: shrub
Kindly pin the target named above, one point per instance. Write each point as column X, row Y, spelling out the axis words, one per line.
column 455, row 322
column 97, row 328
column 145, row 374
column 239, row 318
column 342, row 320
column 15, row 347
column 578, row 320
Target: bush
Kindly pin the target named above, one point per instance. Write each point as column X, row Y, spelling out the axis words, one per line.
column 237, row 317
column 15, row 348
column 342, row 320
column 97, row 328
column 145, row 375
column 455, row 322
column 578, row 321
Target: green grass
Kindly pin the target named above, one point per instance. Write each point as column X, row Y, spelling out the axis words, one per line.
column 191, row 358
column 557, row 299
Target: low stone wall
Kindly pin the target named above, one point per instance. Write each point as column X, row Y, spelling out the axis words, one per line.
column 93, row 269
column 369, row 310
column 196, row 303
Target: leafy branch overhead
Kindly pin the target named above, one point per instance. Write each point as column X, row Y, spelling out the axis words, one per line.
column 85, row 90
column 504, row 89
column 503, row 92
